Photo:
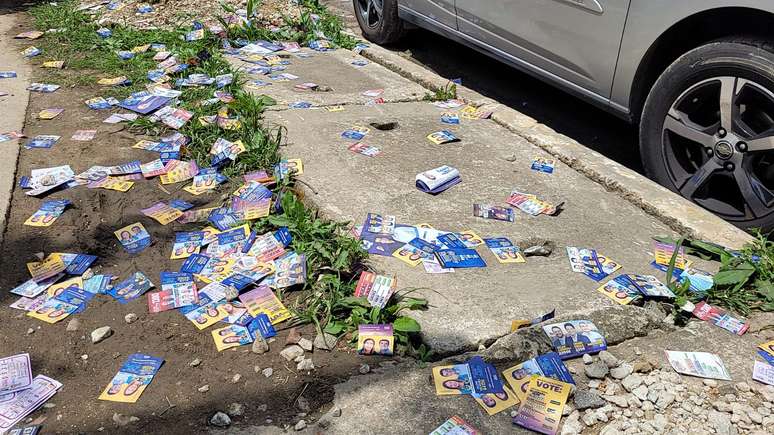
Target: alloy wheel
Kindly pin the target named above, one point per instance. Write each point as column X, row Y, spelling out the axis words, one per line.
column 371, row 11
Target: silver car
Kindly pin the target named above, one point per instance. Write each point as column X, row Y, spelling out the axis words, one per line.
column 696, row 76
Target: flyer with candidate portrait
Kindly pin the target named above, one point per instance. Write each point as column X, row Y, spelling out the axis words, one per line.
column 494, row 403
column 437, row 180
column 364, row 149
column 574, row 338
column 763, row 372
column 619, row 290
column 131, row 288
column 542, row 408
column 647, row 285
column 442, row 137
column 375, row 340
column 549, row 365
column 543, row 165
column 262, row 300
column 177, row 290
column 455, row 426
column 483, row 377
column 132, row 379
column 134, row 238
column 355, row 133
column 452, row 380
column 504, row 250
column 206, row 313
column 15, row 373
column 411, row 255
column 163, row 213
column 493, row 212
column 186, row 244
column 231, row 336
column 48, row 212
column 721, row 318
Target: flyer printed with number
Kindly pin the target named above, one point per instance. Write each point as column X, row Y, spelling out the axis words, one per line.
column 262, row 300
column 179, row 171
column 549, row 365
column 15, row 407
column 763, row 372
column 574, row 338
column 722, row 318
column 134, row 237
column 504, row 250
column 542, row 409
column 132, row 379
column 177, row 290
column 701, row 364
column 15, row 373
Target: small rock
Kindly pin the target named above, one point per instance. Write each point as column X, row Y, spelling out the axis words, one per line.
column 293, row 336
column 100, row 334
column 262, row 407
column 130, row 318
column 123, row 420
column 335, row 412
column 631, row 382
column 620, row 401
column 755, row 417
column 643, row 367
column 299, row 359
column 609, row 359
column 587, row 400
column 220, row 419
column 195, row 363
column 543, row 250
column 596, row 370
column 572, row 424
column 710, row 383
column 647, row 405
column 301, row 425
column 364, row 369
column 587, row 359
column 236, row 378
column 204, row 388
column 621, row 371
column 235, row 410
column 49, row 405
column 665, row 399
column 30, row 331
column 292, row 352
column 720, row 422
column 306, row 344
column 594, row 384
column 324, row 341
column 589, row 418
column 268, row 371
column 73, row 325
column 260, row 346
column 305, row 365
column 257, row 369
column 743, row 387
column 512, row 158
column 302, row 404
column 85, row 356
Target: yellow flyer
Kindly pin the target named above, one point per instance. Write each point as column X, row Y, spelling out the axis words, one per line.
column 112, row 81
column 112, row 183
column 769, row 349
column 256, row 210
column 52, row 311
column 618, row 292
column 231, row 336
column 178, row 171
column 58, row 288
column 263, row 300
column 542, row 409
column 162, row 212
column 496, row 402
column 50, row 113
column 471, row 239
column 663, row 253
column 334, row 108
column 409, row 254
column 58, row 64
column 132, row 379
column 140, row 48
column 452, row 380
column 210, row 235
column 50, row 266
column 207, row 315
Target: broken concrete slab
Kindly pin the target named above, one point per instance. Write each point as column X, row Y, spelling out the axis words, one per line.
column 469, row 307
column 334, row 70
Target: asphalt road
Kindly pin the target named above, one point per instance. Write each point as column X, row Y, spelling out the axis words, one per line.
column 566, row 114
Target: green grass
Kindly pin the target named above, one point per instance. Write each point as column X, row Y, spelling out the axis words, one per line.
column 448, row 92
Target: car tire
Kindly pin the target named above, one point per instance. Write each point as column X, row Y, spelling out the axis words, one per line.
column 380, row 27
column 707, row 130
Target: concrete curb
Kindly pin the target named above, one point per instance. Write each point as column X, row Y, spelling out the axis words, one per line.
column 676, row 212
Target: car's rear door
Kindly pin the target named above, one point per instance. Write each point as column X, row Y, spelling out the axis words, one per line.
column 575, row 41
column 437, row 11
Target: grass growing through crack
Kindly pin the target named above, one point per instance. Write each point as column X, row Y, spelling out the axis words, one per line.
column 448, row 92
column 334, row 258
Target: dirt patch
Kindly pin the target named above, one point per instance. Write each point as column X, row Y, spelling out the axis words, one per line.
column 87, row 226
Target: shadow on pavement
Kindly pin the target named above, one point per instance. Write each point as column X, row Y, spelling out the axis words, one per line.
column 12, row 6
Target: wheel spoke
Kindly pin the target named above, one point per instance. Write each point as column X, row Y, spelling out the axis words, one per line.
column 368, row 11
column 764, row 143
column 682, row 127
column 755, row 195
column 689, row 188
column 727, row 98
column 378, row 6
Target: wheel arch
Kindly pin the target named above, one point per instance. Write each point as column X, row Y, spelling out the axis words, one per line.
column 689, row 33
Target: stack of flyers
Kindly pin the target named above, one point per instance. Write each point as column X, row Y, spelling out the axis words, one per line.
column 458, row 258
column 437, row 180
column 42, row 141
column 42, row 87
column 15, row 406
column 134, row 237
column 44, row 180
column 177, row 290
column 377, row 289
column 50, row 113
column 48, row 212
column 366, row 150
column 618, row 290
column 15, row 373
column 504, row 250
column 763, row 373
column 574, row 338
column 172, row 117
column 84, row 135
column 549, row 365
column 518, row 324
column 261, row 300
column 223, row 150
column 355, row 133
column 647, row 285
column 701, row 364
column 442, row 137
column 542, row 408
column 530, row 204
column 162, row 212
column 287, row 168
column 178, row 171
column 99, row 103
column 450, row 118
column 474, row 377
column 120, row 117
column 470, row 112
column 131, row 288
column 143, row 102
column 721, row 318
column 543, row 165
column 7, row 74
column 589, row 263
column 290, row 269
column 493, row 212
column 206, row 180
column 375, row 340
column 132, row 379
column 115, row 81
column 71, row 300
column 31, row 51
column 455, row 426
column 663, row 252
column 186, row 244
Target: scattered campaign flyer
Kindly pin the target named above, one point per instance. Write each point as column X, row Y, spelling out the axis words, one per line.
column 131, row 288
column 32, row 34
column 262, row 300
column 29, row 304
column 450, row 118
column 178, row 171
column 700, row 281
column 376, row 236
column 375, row 340
column 647, row 285
column 206, row 313
column 574, row 338
column 16, row 406
column 494, row 403
column 287, row 168
column 518, row 324
column 549, row 365
column 722, row 318
column 186, row 244
column 45, row 88
column 766, row 350
column 83, row 135
column 134, row 237
column 455, row 426
column 663, row 253
column 132, row 379
column 619, row 290
column 483, row 377
column 701, row 364
column 162, row 212
column 15, row 373
column 7, row 74
column 290, row 269
column 31, row 51
column 31, row 288
column 474, row 113
column 438, row 180
column 442, row 137
column 143, row 102
column 494, row 212
column 456, row 258
column 71, row 300
column 411, row 254
column 48, row 212
column 543, row 165
column 470, row 238
column 542, row 408
column 377, row 289
column 366, row 150
column 763, row 372
column 590, row 263
column 452, row 380
column 56, row 64
column 50, row 266
column 42, row 141
column 530, row 204
column 50, row 113
column 355, row 133
column 177, row 290
column 504, row 250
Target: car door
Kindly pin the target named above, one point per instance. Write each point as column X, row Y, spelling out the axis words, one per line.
column 575, row 42
column 439, row 11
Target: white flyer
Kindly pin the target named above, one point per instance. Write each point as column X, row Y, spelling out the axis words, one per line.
column 15, row 373
column 15, row 406
column 701, row 364
column 763, row 372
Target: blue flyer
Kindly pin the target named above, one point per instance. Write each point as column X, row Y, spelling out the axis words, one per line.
column 450, row 118
column 451, row 240
column 573, row 338
column 424, row 246
column 543, row 165
column 552, row 366
column 143, row 102
column 484, row 377
column 238, row 281
column 75, row 296
column 283, row 236
column 180, row 204
column 194, row 264
column 262, row 325
column 97, row 284
column 133, row 167
column 767, row 356
column 131, row 288
column 459, row 258
column 80, row 264
column 41, row 141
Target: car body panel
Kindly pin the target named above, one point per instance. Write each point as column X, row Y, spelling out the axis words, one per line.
column 441, row 11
